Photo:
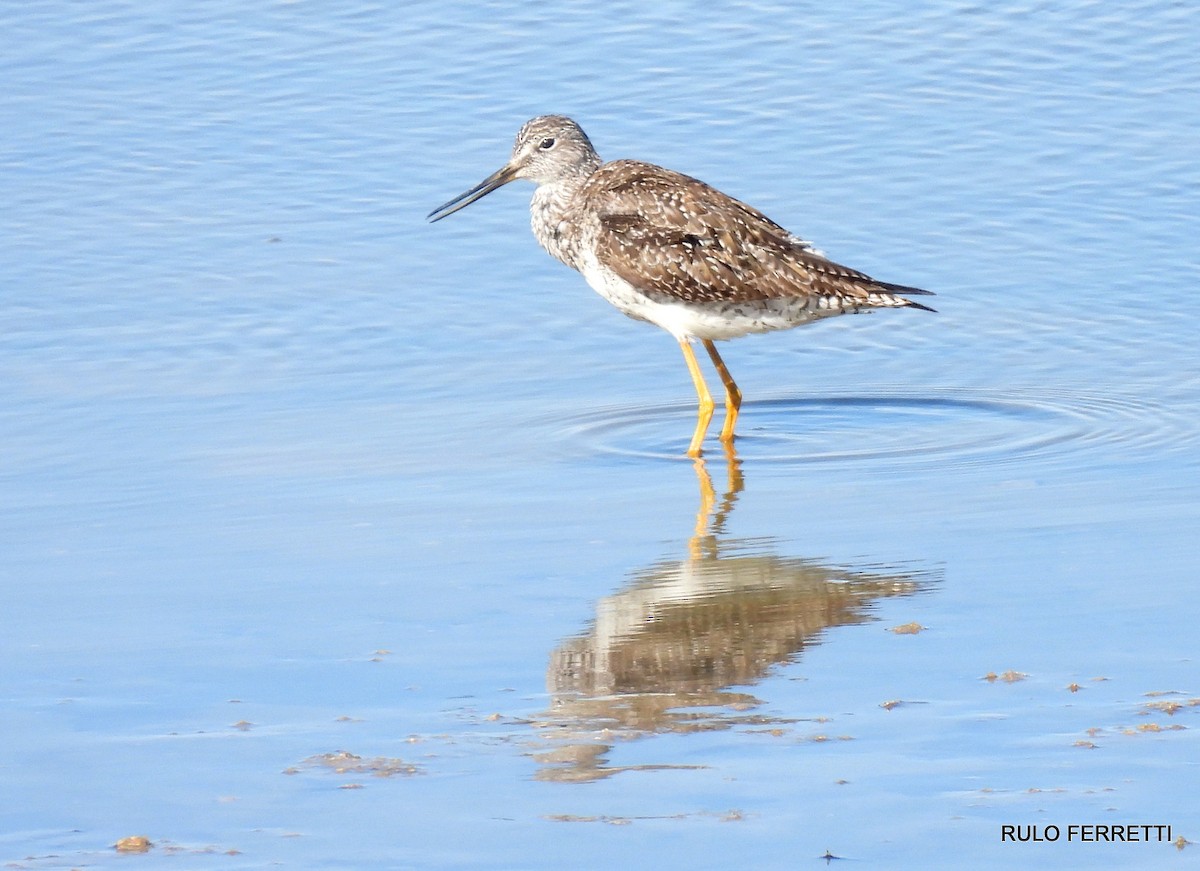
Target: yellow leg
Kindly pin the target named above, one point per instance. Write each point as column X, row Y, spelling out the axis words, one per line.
column 705, row 410
column 733, row 396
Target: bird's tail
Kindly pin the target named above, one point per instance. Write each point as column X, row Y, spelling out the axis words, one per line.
column 901, row 291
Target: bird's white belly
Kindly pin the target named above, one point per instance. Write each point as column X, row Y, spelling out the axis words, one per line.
column 716, row 321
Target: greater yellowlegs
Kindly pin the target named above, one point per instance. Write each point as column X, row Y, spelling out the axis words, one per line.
column 668, row 249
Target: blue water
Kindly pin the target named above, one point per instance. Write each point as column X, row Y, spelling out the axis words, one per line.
column 287, row 471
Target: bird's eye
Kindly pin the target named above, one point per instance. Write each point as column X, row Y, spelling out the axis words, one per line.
column 546, row 144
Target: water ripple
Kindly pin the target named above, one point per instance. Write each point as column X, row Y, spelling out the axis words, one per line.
column 943, row 428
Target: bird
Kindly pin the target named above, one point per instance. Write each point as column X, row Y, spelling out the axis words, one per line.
column 668, row 249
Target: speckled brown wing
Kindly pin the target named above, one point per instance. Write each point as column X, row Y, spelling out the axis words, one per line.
column 674, row 237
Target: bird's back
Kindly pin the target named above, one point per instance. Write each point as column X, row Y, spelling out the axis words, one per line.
column 675, row 238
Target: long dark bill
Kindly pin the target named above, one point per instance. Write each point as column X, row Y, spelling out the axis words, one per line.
column 499, row 178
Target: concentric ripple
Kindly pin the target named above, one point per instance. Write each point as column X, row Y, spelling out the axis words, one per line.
column 939, row 428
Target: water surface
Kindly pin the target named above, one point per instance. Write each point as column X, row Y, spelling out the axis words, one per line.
column 336, row 539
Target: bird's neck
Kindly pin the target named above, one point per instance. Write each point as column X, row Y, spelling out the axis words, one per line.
column 554, row 215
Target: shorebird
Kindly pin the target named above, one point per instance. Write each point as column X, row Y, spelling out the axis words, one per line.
column 669, row 249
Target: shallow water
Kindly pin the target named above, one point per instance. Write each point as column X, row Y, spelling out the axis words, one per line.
column 336, row 539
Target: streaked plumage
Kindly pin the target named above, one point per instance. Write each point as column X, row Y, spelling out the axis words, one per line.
column 668, row 249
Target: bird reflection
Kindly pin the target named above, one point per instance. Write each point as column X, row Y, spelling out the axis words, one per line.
column 665, row 653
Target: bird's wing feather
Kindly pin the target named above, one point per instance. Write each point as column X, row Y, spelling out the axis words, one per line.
column 675, row 237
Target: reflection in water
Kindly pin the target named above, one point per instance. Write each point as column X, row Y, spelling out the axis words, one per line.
column 662, row 653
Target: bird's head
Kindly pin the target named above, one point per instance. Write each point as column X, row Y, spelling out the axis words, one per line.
column 547, row 149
